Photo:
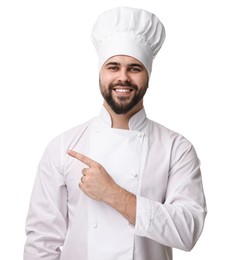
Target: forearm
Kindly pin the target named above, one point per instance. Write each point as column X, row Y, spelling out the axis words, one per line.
column 122, row 201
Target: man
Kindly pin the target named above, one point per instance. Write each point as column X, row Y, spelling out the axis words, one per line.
column 119, row 186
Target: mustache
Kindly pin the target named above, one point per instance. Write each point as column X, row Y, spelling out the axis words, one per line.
column 125, row 84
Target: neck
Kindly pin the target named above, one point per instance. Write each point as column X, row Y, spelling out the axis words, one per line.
column 121, row 121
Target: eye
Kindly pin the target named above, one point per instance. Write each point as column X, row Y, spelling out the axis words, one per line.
column 113, row 68
column 135, row 69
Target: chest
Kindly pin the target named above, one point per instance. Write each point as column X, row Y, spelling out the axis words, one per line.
column 120, row 153
column 137, row 162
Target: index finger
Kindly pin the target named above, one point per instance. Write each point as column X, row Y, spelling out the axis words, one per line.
column 81, row 157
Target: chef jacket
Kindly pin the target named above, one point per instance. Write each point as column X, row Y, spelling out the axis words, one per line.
column 156, row 164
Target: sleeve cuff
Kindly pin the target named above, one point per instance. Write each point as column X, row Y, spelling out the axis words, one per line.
column 143, row 215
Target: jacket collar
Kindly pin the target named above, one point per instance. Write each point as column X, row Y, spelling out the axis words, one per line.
column 137, row 122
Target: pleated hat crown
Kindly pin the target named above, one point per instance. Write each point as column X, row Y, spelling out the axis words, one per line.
column 128, row 31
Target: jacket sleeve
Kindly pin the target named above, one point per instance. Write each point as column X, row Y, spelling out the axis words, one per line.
column 178, row 222
column 47, row 217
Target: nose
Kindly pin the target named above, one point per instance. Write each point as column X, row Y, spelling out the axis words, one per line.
column 123, row 75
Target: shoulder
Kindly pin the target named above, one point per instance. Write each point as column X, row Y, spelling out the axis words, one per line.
column 174, row 145
column 58, row 146
column 164, row 133
column 169, row 140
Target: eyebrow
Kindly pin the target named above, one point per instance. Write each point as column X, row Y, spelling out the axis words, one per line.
column 112, row 63
column 129, row 65
column 135, row 65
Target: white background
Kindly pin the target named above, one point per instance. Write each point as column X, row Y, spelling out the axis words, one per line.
column 49, row 83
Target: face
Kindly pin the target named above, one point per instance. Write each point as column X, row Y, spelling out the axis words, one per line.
column 123, row 83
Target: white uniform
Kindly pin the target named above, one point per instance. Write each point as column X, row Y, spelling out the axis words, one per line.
column 149, row 160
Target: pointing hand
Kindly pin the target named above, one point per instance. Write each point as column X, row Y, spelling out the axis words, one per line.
column 95, row 182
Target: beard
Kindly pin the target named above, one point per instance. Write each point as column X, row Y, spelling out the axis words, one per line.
column 123, row 104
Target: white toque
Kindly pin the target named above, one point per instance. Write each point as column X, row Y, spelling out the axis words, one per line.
column 128, row 31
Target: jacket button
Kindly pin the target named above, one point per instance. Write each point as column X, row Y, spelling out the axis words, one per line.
column 134, row 174
column 94, row 225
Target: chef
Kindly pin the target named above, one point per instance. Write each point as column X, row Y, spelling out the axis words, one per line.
column 119, row 186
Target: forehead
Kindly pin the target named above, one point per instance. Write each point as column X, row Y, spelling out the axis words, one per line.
column 123, row 60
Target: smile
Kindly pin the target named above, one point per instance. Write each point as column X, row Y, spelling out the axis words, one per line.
column 123, row 90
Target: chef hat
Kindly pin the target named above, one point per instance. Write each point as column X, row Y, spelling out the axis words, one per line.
column 128, row 31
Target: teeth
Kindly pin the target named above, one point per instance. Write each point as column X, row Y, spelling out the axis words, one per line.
column 122, row 90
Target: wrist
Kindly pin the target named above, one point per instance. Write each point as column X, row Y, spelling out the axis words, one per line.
column 123, row 201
